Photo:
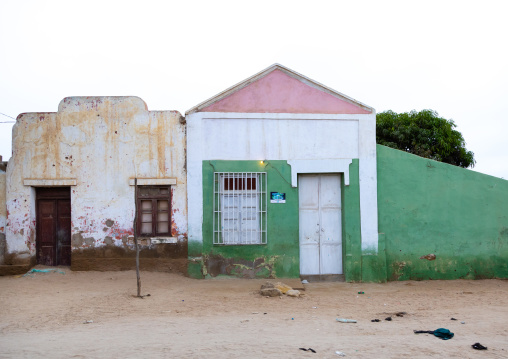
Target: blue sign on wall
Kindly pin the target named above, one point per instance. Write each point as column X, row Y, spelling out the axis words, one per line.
column 277, row 197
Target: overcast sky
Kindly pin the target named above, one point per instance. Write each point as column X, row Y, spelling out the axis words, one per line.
column 449, row 56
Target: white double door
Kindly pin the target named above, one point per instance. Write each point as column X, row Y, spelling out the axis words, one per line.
column 320, row 224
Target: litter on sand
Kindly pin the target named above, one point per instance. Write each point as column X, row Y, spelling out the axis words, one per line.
column 478, row 346
column 33, row 271
column 341, row 354
column 344, row 320
column 441, row 333
column 310, row 349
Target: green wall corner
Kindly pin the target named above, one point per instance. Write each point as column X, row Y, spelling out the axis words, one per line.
column 432, row 208
column 351, row 229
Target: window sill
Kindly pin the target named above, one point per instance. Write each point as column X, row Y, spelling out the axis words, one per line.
column 239, row 244
column 153, row 181
column 158, row 240
column 163, row 240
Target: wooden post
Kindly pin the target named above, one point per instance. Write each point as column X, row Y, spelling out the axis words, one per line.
column 136, row 236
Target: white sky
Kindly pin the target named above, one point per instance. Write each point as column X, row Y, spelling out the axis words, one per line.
column 449, row 56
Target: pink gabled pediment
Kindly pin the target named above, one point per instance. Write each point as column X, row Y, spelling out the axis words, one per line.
column 279, row 90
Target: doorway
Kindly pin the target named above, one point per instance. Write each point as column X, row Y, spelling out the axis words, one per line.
column 320, row 225
column 53, row 226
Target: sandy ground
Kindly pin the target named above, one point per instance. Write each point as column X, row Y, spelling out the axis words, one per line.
column 44, row 315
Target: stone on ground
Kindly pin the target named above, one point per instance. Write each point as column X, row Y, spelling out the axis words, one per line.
column 270, row 292
column 293, row 293
column 267, row 285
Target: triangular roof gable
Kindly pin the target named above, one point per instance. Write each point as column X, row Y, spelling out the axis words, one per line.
column 278, row 89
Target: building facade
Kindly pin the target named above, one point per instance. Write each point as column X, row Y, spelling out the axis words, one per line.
column 70, row 185
column 277, row 176
column 279, row 133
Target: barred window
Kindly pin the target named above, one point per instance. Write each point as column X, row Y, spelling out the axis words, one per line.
column 239, row 202
column 154, row 211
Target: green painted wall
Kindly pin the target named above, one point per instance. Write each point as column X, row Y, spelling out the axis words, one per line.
column 280, row 256
column 277, row 258
column 351, row 234
column 358, row 267
column 428, row 207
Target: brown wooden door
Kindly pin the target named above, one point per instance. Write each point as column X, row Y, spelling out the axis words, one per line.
column 53, row 226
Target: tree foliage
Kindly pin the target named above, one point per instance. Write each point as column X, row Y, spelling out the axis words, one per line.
column 424, row 134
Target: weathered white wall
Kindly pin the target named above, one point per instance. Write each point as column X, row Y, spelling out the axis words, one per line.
column 101, row 143
column 302, row 139
column 3, row 212
column 282, row 138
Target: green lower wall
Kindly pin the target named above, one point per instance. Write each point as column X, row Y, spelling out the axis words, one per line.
column 277, row 258
column 425, row 207
column 428, row 207
column 358, row 267
column 280, row 256
column 351, row 234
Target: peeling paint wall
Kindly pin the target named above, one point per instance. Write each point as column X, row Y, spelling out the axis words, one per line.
column 101, row 143
column 3, row 210
column 279, row 256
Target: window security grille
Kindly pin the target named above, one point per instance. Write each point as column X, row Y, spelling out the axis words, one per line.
column 239, row 203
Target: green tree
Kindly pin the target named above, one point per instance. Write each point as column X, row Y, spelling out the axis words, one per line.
column 424, row 134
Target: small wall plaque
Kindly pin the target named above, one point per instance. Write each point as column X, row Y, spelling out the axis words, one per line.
column 277, row 197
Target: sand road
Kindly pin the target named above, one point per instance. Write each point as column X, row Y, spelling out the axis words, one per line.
column 44, row 316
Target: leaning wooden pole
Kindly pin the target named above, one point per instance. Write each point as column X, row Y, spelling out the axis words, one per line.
column 136, row 235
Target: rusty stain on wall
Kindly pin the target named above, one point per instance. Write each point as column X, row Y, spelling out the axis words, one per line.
column 102, row 143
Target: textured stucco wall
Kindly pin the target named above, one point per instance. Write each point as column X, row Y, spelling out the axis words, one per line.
column 327, row 141
column 101, row 142
column 428, row 207
column 279, row 114
column 280, row 256
column 270, row 94
column 3, row 214
column 277, row 258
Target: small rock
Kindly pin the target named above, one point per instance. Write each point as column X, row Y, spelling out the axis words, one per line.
column 267, row 285
column 271, row 292
column 293, row 293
